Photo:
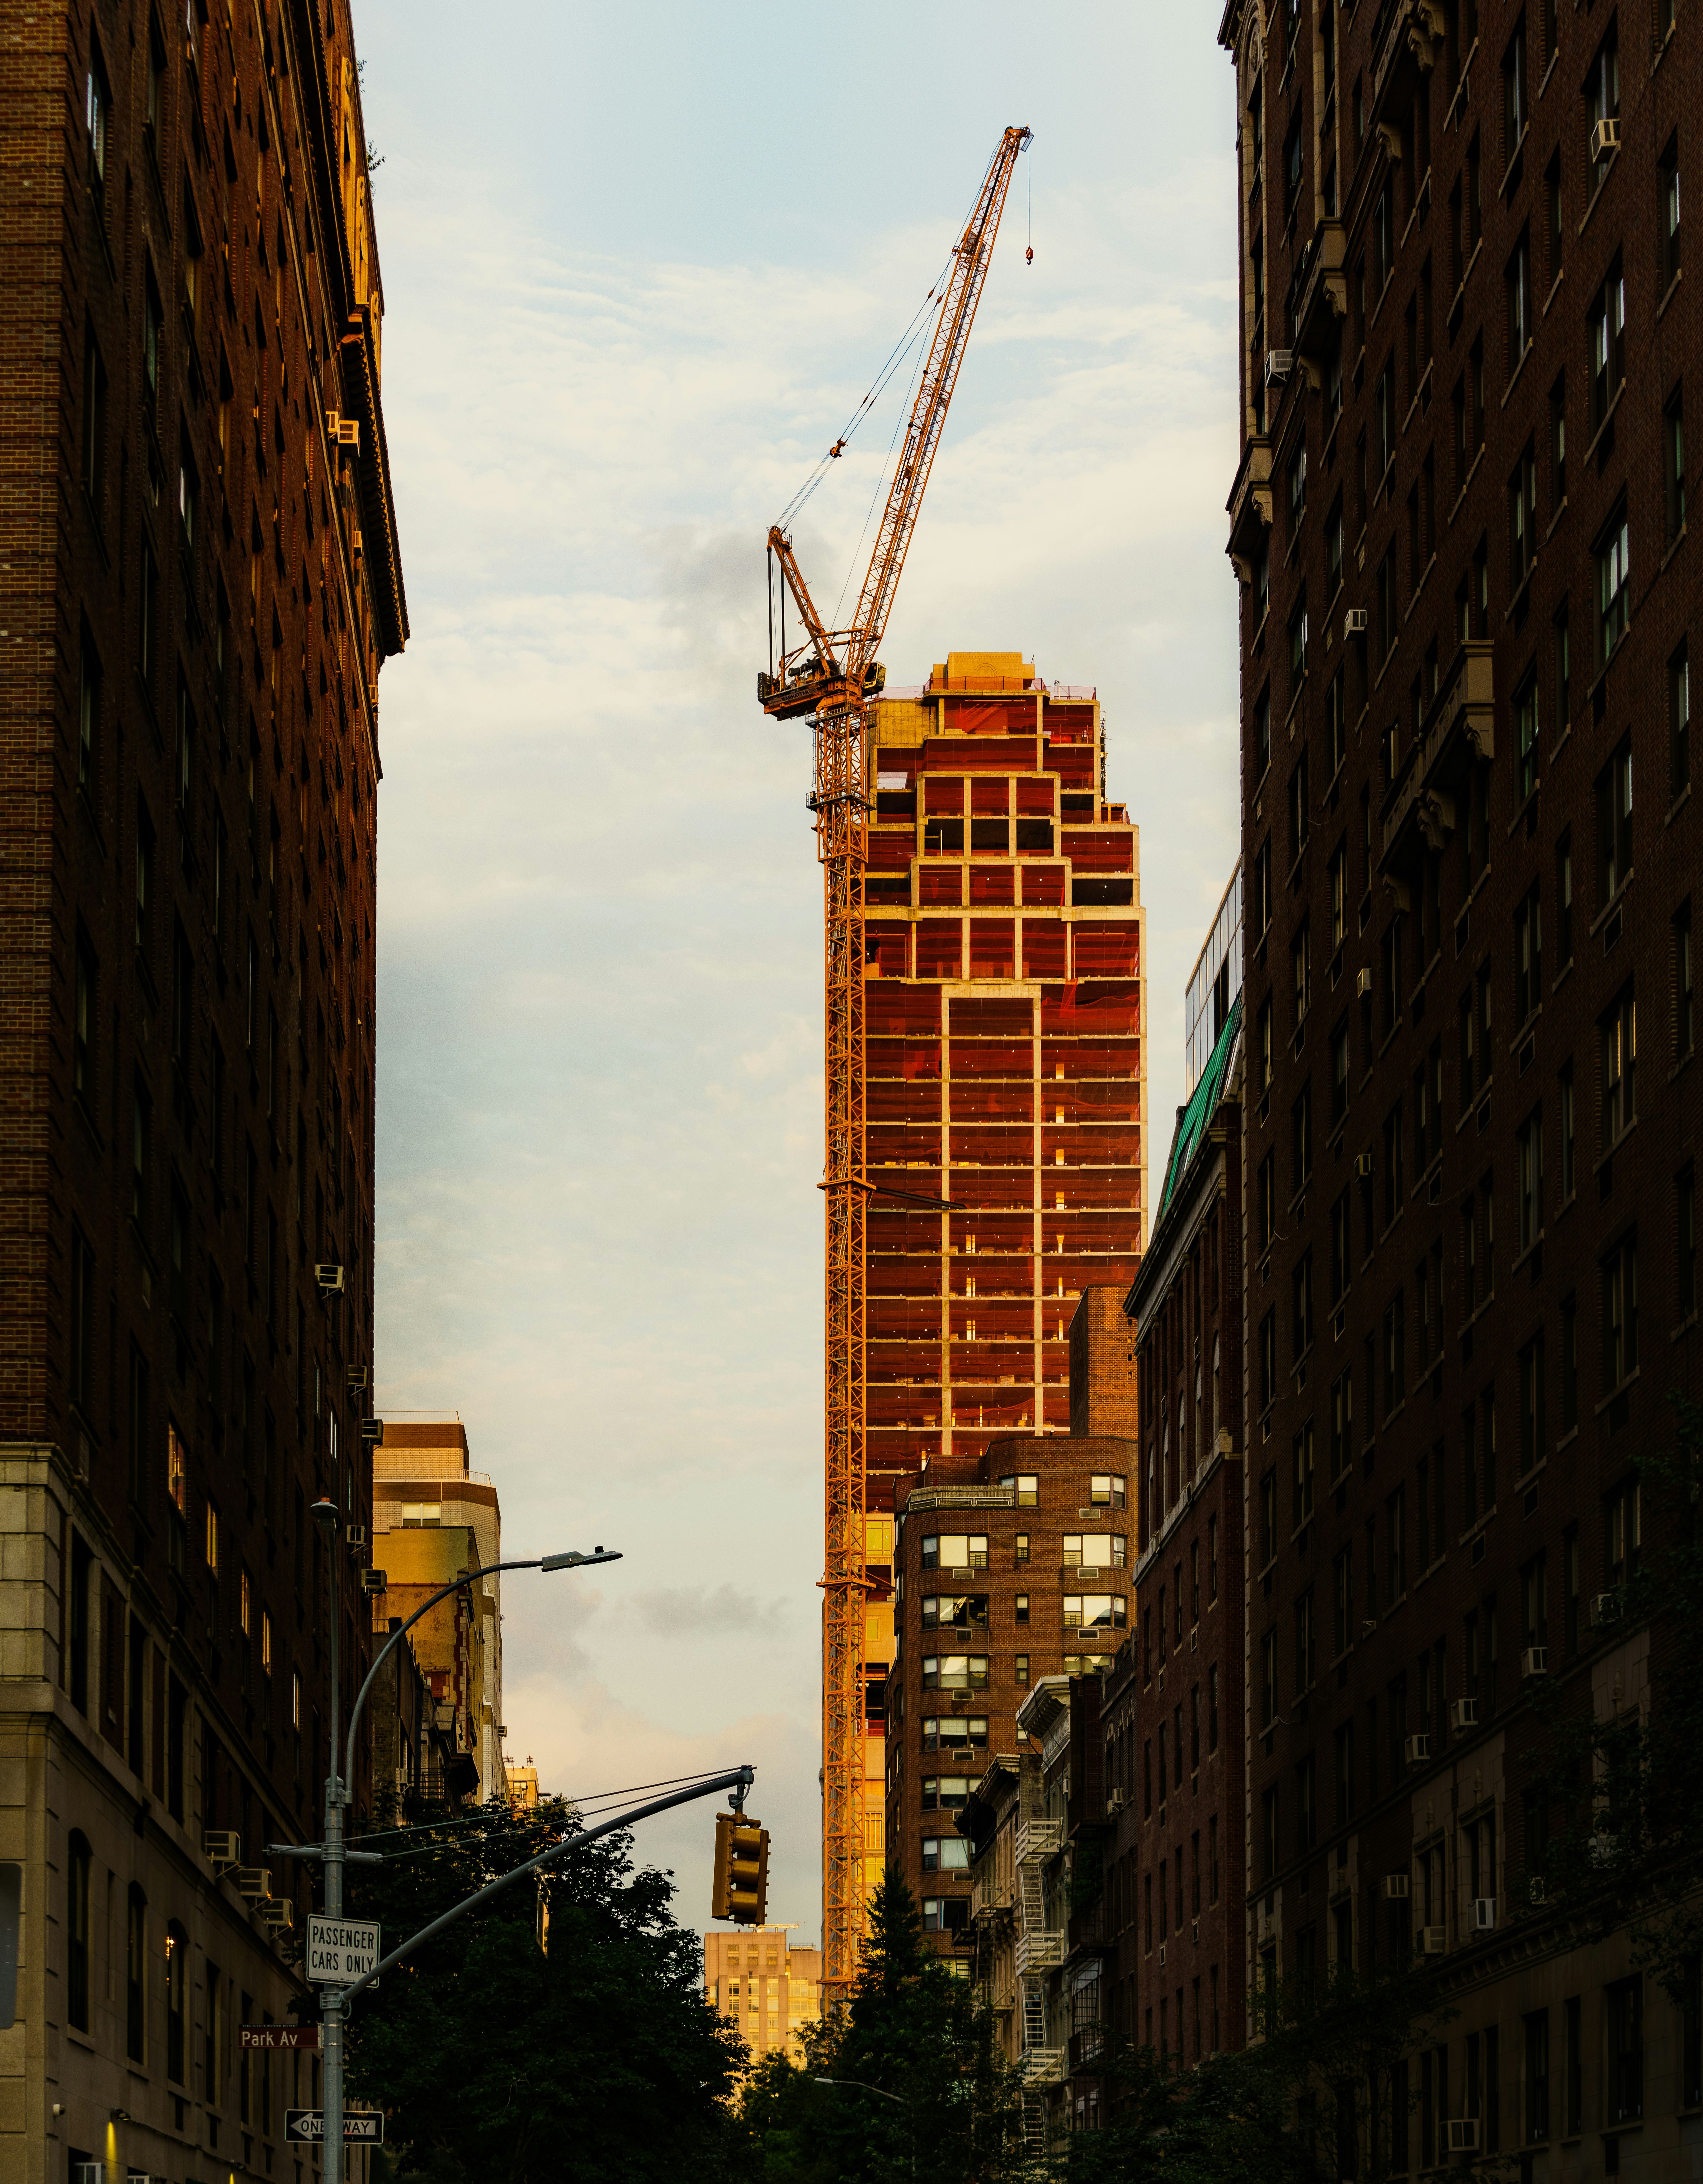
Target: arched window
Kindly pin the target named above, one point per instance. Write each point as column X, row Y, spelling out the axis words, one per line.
column 79, row 1870
column 177, row 1995
column 135, row 1976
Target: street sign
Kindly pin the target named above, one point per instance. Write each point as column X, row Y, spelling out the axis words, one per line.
column 271, row 2036
column 307, row 2127
column 340, row 1950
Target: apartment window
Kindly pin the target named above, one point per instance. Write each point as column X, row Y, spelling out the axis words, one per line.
column 1394, row 1355
column 1569, row 1363
column 1533, row 1438
column 1519, row 286
column 1613, row 586
column 1260, row 894
column 1619, row 1036
column 1564, row 900
column 1024, row 1487
column 1572, row 2063
column 79, row 1876
column 1339, row 1072
column 1262, row 733
column 1389, row 614
column 1685, row 1210
column 1268, row 1360
column 1529, row 1165
column 1602, row 99
column 1607, row 324
column 945, row 1854
column 1669, row 214
column 1301, row 969
column 1685, row 1001
column 1562, row 654
column 1619, row 1276
column 1297, row 486
column 1106, row 1490
column 1673, row 462
column 1528, row 955
column 955, row 1551
column 135, row 1975
column 1625, row 2027
column 1678, row 723
column 1614, row 824
column 1514, row 93
column 1298, row 644
column 1301, row 1139
column 1342, row 1425
column 1021, row 1548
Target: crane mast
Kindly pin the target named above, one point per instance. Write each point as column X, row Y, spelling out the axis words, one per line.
column 832, row 675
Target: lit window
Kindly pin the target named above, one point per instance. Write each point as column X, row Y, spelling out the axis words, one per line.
column 1105, row 1490
column 176, row 1478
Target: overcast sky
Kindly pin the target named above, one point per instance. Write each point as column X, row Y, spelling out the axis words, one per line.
column 639, row 265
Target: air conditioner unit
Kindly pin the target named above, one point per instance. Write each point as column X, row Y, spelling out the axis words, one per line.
column 1417, row 1750
column 278, row 1914
column 255, row 1882
column 1353, row 623
column 1362, row 985
column 1604, row 137
column 1088, row 1630
column 355, row 1535
column 1432, row 1940
column 1161, row 1956
column 221, row 1847
column 1363, row 1166
column 1535, row 1661
column 1114, row 1802
column 1484, row 1914
column 1091, row 1515
column 1279, row 364
column 1464, row 1714
column 373, row 1581
column 1396, row 1886
column 1604, row 1608
column 372, row 1432
column 329, row 1277
column 357, row 1379
column 1088, row 1570
column 1463, row 2134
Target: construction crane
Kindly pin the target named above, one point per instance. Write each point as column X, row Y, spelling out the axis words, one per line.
column 832, row 675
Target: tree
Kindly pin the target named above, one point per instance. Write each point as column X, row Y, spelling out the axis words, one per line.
column 944, row 2101
column 596, row 2058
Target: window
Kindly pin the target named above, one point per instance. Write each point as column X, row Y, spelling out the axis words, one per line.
column 147, row 617
column 945, row 1914
column 1302, row 1505
column 1298, row 644
column 1569, row 1363
column 1514, row 93
column 1619, row 1035
column 1528, row 955
column 1301, row 969
column 1678, row 723
column 1614, row 824
column 1614, row 587
column 1668, row 230
column 954, row 1672
column 94, row 425
column 945, row 1793
column 1342, row 1425
column 153, row 321
column 1673, row 462
column 945, row 1854
column 1519, row 286
column 1268, row 1680
column 1300, row 807
column 1684, row 999
column 1625, row 2025
column 1619, row 1274
column 1262, row 733
column 1602, row 99
column 1685, row 1269
column 945, row 1732
column 135, row 1975
column 78, row 1874
column 1297, row 486
column 1102, row 1610
column 1106, row 1490
column 961, row 1611
column 1572, row 2055
column 1607, row 322
column 1020, row 1548
column 1536, row 2074
column 1533, row 1437
column 1564, row 900
column 955, row 1551
column 1529, row 1163
column 1301, row 1139
column 1563, row 665
column 1555, row 228
column 1026, row 1488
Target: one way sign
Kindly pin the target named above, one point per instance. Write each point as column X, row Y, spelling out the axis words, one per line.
column 365, row 2128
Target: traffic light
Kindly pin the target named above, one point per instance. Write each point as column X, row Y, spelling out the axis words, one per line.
column 740, row 1888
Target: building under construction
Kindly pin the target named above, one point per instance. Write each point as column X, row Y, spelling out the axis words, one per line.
column 1004, row 1022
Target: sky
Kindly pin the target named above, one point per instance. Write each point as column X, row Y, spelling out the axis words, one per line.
column 639, row 266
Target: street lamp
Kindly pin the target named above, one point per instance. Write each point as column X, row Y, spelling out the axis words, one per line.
column 326, row 1514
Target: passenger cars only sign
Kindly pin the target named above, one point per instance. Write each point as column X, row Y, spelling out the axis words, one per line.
column 340, row 1950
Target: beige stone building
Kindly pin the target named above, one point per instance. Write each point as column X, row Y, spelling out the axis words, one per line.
column 433, row 1516
column 766, row 1988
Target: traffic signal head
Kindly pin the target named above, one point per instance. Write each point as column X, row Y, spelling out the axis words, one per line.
column 740, row 1888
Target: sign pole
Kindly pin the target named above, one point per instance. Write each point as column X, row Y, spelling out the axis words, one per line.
column 331, row 1999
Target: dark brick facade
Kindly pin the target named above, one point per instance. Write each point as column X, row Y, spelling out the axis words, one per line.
column 198, row 582
column 1472, row 846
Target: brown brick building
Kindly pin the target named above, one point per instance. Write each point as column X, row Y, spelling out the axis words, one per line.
column 198, row 580
column 1472, row 846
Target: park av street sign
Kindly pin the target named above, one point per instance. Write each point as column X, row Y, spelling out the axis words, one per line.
column 306, row 2127
column 267, row 2038
column 341, row 1950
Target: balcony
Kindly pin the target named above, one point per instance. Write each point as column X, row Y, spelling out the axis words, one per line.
column 1042, row 2066
column 1250, row 505
column 991, row 1899
column 1038, row 1840
column 1318, row 294
column 1038, row 1953
column 1085, row 2047
column 1458, row 730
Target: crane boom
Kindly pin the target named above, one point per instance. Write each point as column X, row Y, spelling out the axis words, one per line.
column 832, row 675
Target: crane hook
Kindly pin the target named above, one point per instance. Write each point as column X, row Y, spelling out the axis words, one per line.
column 837, row 448
column 1029, row 255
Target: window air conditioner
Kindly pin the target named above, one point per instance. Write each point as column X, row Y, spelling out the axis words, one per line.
column 1363, row 1166
column 1161, row 1956
column 329, row 1277
column 1418, row 1750
column 355, row 1535
column 1484, row 1914
column 1604, row 1608
column 372, row 1431
column 219, row 1847
column 1088, row 1570
column 1604, row 137
column 1091, row 1515
column 373, row 1581
column 278, row 1914
column 1432, row 1941
column 1464, row 1714
column 1362, row 985
column 1114, row 1803
column 1281, row 362
column 1463, row 2134
column 1088, row 1630
column 1535, row 1661
column 255, row 1882
column 357, row 1378
column 1353, row 623
column 1395, row 1887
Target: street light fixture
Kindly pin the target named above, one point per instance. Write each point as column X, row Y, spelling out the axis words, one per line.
column 866, row 2089
column 324, row 1513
